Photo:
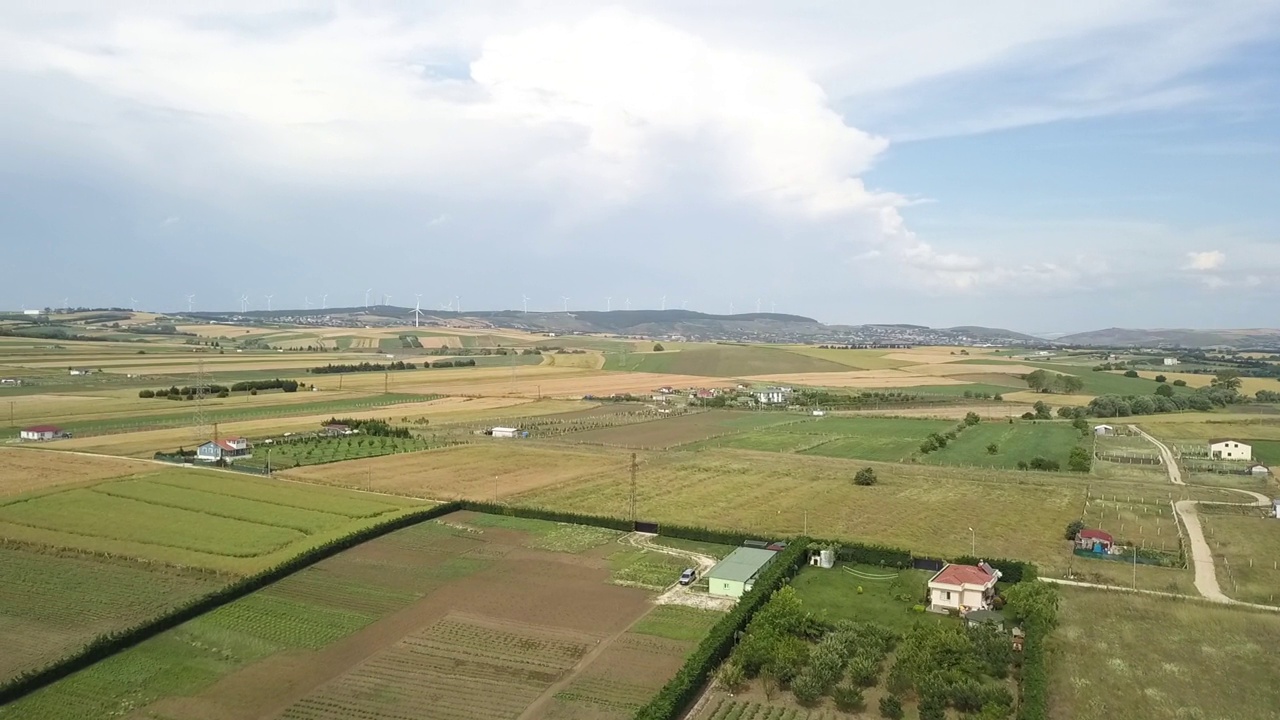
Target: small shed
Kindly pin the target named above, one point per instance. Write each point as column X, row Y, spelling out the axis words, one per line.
column 1275, row 507
column 504, row 432
column 981, row 617
column 734, row 575
column 1259, row 470
column 1103, row 430
column 41, row 432
column 1094, row 540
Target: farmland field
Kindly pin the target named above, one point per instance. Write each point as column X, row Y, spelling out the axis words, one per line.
column 670, row 432
column 497, row 468
column 26, row 470
column 320, row 450
column 1149, row 658
column 1019, row 441
column 418, row 623
column 192, row 517
column 913, row 506
column 1246, row 545
column 888, row 439
column 723, row 361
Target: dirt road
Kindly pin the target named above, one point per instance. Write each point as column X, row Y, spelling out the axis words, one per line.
column 679, row 594
column 1188, row 514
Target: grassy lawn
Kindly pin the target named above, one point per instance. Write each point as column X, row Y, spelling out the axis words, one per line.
column 889, row 602
column 1019, row 441
column 1151, row 658
column 887, row 439
column 1245, row 549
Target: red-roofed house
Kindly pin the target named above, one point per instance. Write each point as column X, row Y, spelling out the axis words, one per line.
column 1095, row 540
column 228, row 449
column 963, row 588
column 41, row 432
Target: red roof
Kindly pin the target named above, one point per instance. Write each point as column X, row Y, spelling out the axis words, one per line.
column 43, row 429
column 1089, row 534
column 963, row 575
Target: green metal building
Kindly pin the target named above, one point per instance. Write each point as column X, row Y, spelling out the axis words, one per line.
column 734, row 575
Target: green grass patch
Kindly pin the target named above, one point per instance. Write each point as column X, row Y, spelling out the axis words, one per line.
column 545, row 535
column 677, row 622
column 227, row 506
column 652, row 570
column 889, row 602
column 291, row 495
column 321, row 450
column 1020, row 441
column 887, row 439
column 715, row 550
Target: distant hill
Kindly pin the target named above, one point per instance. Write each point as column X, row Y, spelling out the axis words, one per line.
column 1264, row 338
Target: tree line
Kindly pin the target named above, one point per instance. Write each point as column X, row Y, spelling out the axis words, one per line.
column 222, row 390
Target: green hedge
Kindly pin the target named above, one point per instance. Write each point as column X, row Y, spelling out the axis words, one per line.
column 873, row 554
column 1011, row 571
column 1034, row 688
column 676, row 695
column 536, row 513
column 108, row 644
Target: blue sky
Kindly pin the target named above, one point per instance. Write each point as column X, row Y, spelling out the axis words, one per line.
column 1055, row 169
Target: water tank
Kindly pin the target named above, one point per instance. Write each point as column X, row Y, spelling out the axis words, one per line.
column 827, row 559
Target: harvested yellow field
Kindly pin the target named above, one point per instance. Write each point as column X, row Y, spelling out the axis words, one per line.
column 967, row 369
column 231, row 331
column 589, row 361
column 121, row 404
column 934, row 355
column 526, row 381
column 1248, row 385
column 869, row 379
column 494, row 469
column 1055, row 400
column 146, row 443
column 28, row 469
column 861, row 359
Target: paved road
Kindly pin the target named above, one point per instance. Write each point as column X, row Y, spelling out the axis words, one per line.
column 1201, row 553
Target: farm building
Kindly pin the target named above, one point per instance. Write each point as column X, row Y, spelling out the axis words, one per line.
column 41, row 432
column 773, row 395
column 1095, row 540
column 1259, row 470
column 1103, row 430
column 1171, row 361
column 734, row 575
column 1226, row 449
column 504, row 432
column 963, row 587
column 228, row 449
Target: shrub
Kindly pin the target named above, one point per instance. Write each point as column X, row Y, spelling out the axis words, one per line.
column 1161, row 378
column 865, row 477
column 731, row 677
column 992, row 449
column 253, row 391
column 933, row 707
column 1131, row 373
column 657, row 347
column 971, row 418
column 863, row 671
column 223, row 394
column 1080, row 460
column 1073, row 528
column 1028, row 416
column 807, row 688
column 848, row 697
column 891, row 707
column 1179, row 383
column 146, row 393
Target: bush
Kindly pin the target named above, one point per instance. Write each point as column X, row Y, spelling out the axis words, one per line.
column 865, row 477
column 1073, row 528
column 863, row 671
column 891, row 707
column 992, row 449
column 971, row 418
column 932, row 707
column 807, row 688
column 146, row 393
column 1131, row 373
column 848, row 697
column 223, row 394
column 1080, row 460
column 253, row 392
column 1161, row 378
column 731, row 677
column 1179, row 383
column 657, row 347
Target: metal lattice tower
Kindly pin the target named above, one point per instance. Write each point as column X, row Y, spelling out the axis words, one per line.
column 200, row 423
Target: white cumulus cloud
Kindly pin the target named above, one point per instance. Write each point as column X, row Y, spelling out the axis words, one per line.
column 1204, row 261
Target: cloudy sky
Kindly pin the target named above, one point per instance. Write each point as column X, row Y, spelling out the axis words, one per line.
column 1044, row 167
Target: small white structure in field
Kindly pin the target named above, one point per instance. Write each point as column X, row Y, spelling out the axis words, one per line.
column 41, row 432
column 1103, row 430
column 1225, row 449
column 1275, row 507
column 1171, row 361
column 1259, row 470
column 963, row 588
column 819, row 413
column 504, row 432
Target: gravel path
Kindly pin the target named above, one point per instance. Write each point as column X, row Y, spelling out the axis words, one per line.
column 679, row 594
column 1201, row 553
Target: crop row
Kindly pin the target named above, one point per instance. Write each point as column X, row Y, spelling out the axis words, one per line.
column 315, row 498
column 224, row 506
column 745, row 710
column 612, row 693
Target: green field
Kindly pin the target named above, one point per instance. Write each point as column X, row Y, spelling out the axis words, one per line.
column 1246, row 546
column 307, row 610
column 1020, row 441
column 722, row 361
column 887, row 439
column 1149, row 658
column 190, row 517
column 890, row 602
column 1095, row 383
column 677, row 622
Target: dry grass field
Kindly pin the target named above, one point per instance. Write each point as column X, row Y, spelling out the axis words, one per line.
column 869, row 379
column 1248, row 385
column 494, row 469
column 27, row 469
column 529, row 381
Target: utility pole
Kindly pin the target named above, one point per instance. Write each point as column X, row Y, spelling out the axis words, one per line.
column 633, row 491
column 385, row 381
column 268, row 462
column 11, row 413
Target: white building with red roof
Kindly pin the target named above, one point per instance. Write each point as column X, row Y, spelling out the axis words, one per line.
column 963, row 588
column 41, row 432
column 228, row 449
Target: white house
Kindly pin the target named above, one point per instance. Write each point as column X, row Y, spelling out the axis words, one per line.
column 1103, row 430
column 41, row 432
column 228, row 449
column 1230, row 450
column 10, row 381
column 963, row 588
column 80, row 371
column 504, row 432
column 1171, row 361
column 774, row 395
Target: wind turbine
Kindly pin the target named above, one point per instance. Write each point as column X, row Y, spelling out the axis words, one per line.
column 684, row 304
column 565, row 299
column 417, row 310
column 664, row 302
column 324, row 301
column 244, row 303
column 307, row 300
column 386, row 299
column 191, row 303
column 133, row 303
column 757, row 305
column 730, row 307
column 608, row 304
column 366, row 297
column 628, row 305
column 773, row 307
column 526, row 303
column 457, row 304
column 269, row 302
